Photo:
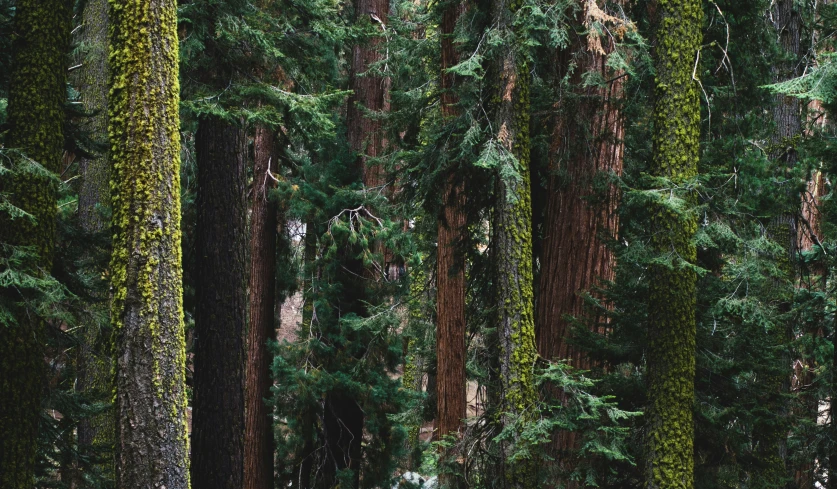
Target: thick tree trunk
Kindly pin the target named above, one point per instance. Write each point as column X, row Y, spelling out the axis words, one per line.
column 258, row 437
column 512, row 242
column 36, row 116
column 218, row 405
column 587, row 144
column 147, row 310
column 450, row 268
column 669, row 437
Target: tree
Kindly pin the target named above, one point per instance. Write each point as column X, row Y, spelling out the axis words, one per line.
column 258, row 436
column 147, row 312
column 220, row 311
column 37, row 94
column 512, row 242
column 450, row 263
column 669, row 449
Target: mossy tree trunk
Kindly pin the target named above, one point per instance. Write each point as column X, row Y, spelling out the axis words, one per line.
column 258, row 431
column 37, row 93
column 220, row 312
column 512, row 241
column 669, row 450
column 147, row 309
column 450, row 266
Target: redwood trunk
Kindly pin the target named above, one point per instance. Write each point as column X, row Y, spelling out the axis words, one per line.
column 258, row 438
column 218, row 407
column 587, row 143
column 450, row 269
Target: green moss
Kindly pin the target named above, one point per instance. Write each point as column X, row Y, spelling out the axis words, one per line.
column 146, row 262
column 36, row 117
column 672, row 296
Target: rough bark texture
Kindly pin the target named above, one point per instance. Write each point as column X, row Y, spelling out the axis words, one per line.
column 147, row 309
column 450, row 268
column 512, row 242
column 218, row 405
column 669, row 455
column 94, row 194
column 93, row 85
column 35, row 116
column 586, row 144
column 258, row 439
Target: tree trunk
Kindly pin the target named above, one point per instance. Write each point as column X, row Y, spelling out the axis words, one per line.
column 94, row 194
column 587, row 144
column 258, row 437
column 37, row 93
column 512, row 242
column 218, row 405
column 450, row 268
column 147, row 310
column 343, row 418
column 669, row 455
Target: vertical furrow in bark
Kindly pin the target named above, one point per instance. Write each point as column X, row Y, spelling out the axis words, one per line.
column 218, row 404
column 450, row 267
column 36, row 116
column 258, row 438
column 147, row 308
column 587, row 144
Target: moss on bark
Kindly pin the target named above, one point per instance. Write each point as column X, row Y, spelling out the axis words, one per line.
column 37, row 94
column 147, row 310
column 671, row 356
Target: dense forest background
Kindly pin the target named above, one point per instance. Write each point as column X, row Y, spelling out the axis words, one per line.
column 413, row 243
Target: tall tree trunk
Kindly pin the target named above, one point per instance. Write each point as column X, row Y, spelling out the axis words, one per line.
column 147, row 310
column 36, row 118
column 787, row 115
column 669, row 437
column 450, row 267
column 94, row 194
column 587, row 144
column 218, row 405
column 343, row 417
column 258, row 437
column 512, row 241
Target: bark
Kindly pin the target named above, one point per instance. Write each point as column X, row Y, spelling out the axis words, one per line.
column 258, row 439
column 218, row 405
column 450, row 268
column 787, row 115
column 147, row 308
column 343, row 417
column 94, row 194
column 35, row 116
column 512, row 243
column 669, row 437
column 587, row 144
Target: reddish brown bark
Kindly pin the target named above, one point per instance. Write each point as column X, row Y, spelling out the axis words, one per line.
column 258, row 426
column 586, row 143
column 450, row 269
